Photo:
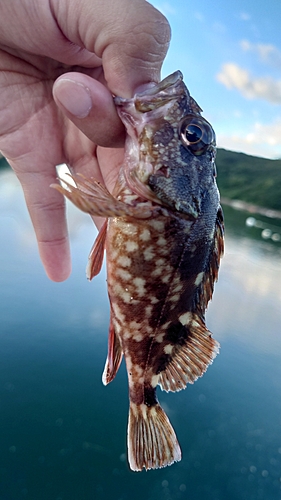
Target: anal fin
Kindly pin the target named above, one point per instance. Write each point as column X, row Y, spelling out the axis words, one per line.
column 152, row 442
column 96, row 254
column 191, row 360
column 114, row 356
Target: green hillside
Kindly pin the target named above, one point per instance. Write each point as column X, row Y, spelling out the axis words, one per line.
column 243, row 177
column 248, row 178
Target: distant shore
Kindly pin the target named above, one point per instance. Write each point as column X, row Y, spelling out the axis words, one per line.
column 234, row 203
column 250, row 207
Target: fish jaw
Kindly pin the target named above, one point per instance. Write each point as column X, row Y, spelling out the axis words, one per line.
column 150, row 104
column 145, row 108
column 152, row 97
column 160, row 162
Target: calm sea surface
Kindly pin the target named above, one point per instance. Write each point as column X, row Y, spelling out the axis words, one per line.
column 63, row 434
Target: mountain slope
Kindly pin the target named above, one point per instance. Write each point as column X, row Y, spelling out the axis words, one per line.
column 243, row 177
column 249, row 178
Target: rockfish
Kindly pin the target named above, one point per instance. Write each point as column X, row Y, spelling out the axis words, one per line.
column 164, row 238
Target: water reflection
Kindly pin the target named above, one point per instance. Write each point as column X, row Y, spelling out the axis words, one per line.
column 268, row 230
column 63, row 435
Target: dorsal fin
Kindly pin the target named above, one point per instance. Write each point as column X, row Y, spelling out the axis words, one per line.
column 205, row 289
column 191, row 360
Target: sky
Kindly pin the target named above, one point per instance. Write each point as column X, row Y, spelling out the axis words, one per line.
column 230, row 56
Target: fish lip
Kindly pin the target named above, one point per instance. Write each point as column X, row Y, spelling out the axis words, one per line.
column 167, row 82
column 168, row 87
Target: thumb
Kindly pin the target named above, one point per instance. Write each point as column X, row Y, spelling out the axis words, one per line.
column 89, row 105
column 130, row 37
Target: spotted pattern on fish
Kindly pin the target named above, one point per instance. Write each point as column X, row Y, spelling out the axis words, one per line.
column 163, row 239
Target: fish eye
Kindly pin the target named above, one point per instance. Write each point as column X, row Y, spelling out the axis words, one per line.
column 193, row 133
column 196, row 134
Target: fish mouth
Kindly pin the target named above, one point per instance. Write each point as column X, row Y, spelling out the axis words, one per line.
column 167, row 82
column 156, row 95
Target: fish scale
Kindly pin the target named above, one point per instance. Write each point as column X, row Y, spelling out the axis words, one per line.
column 164, row 240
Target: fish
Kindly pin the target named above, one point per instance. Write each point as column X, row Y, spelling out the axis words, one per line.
column 164, row 238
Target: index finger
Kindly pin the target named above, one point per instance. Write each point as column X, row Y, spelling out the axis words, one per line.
column 130, row 36
column 47, row 211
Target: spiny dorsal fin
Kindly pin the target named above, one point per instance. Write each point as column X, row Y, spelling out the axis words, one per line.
column 190, row 361
column 205, row 289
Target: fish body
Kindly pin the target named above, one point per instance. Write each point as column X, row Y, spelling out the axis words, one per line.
column 164, row 239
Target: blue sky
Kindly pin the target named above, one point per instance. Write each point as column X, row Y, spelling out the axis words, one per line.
column 230, row 55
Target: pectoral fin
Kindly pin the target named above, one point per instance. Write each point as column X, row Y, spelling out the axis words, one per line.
column 94, row 199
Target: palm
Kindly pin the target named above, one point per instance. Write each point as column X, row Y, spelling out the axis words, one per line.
column 128, row 40
column 37, row 130
column 35, row 136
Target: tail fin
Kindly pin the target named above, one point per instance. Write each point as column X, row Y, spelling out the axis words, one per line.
column 152, row 442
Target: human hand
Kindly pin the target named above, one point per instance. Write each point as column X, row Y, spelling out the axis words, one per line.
column 60, row 63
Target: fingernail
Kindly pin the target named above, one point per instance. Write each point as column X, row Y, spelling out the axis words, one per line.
column 74, row 97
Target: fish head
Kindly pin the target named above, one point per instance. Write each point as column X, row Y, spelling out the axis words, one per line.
column 170, row 150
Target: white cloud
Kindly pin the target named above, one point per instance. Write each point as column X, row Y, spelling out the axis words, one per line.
column 267, row 52
column 233, row 76
column 244, row 16
column 261, row 140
